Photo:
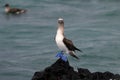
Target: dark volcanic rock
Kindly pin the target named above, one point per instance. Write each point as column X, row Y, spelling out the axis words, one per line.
column 61, row 70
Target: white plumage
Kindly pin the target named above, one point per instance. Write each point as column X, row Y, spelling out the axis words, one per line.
column 63, row 43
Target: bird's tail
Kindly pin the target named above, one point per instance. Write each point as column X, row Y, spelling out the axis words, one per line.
column 78, row 49
column 23, row 11
column 72, row 53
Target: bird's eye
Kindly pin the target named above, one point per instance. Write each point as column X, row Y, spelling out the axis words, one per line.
column 60, row 21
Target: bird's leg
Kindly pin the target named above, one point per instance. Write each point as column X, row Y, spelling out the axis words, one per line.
column 64, row 58
column 61, row 55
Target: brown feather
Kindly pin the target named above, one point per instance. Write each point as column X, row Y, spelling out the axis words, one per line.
column 69, row 44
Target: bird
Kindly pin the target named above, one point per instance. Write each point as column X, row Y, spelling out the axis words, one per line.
column 64, row 44
column 8, row 9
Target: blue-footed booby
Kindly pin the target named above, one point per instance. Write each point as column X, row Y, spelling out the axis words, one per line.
column 64, row 44
column 8, row 9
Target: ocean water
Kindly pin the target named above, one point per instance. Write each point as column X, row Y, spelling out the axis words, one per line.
column 27, row 41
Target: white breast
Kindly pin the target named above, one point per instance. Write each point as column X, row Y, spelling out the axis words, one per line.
column 59, row 41
column 6, row 10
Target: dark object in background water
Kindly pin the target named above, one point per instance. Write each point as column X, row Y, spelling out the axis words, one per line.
column 8, row 9
column 61, row 70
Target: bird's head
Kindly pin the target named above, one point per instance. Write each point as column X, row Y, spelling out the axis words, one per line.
column 60, row 21
column 7, row 5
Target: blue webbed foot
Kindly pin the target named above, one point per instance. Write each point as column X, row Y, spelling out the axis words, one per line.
column 64, row 58
column 60, row 55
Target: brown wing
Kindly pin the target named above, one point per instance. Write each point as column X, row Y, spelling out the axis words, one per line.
column 14, row 10
column 69, row 44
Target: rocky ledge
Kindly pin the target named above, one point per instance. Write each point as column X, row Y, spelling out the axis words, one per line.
column 61, row 70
